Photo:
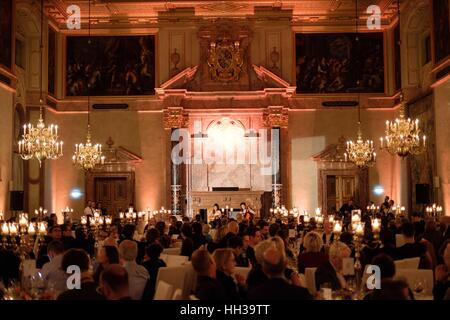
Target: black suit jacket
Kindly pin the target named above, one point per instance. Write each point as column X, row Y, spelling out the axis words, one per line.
column 278, row 289
column 209, row 289
column 326, row 274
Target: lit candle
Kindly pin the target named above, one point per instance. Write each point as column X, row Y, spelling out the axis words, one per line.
column 31, row 230
column 5, row 229
column 23, row 221
column 83, row 220
column 376, row 225
column 337, row 227
column 42, row 228
column 121, row 215
column 359, row 230
column 12, row 229
column 381, row 142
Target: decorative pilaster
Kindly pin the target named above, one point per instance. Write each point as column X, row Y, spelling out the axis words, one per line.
column 276, row 118
column 175, row 119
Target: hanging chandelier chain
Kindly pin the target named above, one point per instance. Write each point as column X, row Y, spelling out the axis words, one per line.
column 89, row 50
column 88, row 156
column 41, row 47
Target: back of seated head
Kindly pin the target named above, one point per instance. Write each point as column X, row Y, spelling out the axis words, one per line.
column 201, row 261
column 128, row 250
column 260, row 248
column 196, row 228
column 262, row 223
column 56, row 247
column 154, row 250
column 408, row 229
column 391, row 290
column 128, row 231
column 161, row 226
column 185, row 219
column 347, row 238
column 186, row 230
column 235, row 242
column 251, row 231
column 152, row 235
column 75, row 257
column 273, row 229
column 313, row 242
column 337, row 249
column 115, row 277
column 274, row 262
column 233, row 227
column 283, row 233
column 386, row 265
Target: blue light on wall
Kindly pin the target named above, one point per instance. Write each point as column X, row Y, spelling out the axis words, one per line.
column 75, row 193
column 378, row 190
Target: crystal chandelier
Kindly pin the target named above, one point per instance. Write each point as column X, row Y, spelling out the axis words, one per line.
column 403, row 135
column 87, row 156
column 40, row 142
column 360, row 152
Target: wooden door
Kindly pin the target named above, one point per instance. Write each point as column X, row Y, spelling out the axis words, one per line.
column 339, row 189
column 113, row 192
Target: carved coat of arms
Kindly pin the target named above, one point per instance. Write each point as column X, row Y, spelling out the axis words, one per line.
column 225, row 61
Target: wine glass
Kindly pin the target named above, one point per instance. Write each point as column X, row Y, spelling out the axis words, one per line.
column 419, row 286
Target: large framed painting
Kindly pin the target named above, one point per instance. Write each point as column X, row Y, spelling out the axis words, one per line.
column 441, row 29
column 110, row 65
column 6, row 33
column 333, row 62
column 51, row 61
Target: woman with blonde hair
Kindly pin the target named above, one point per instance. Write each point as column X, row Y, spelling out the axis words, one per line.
column 225, row 264
column 312, row 257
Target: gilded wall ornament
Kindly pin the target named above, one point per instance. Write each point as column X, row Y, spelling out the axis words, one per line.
column 225, row 60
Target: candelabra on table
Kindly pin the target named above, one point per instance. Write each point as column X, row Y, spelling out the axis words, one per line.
column 358, row 235
column 372, row 210
column 434, row 211
column 67, row 214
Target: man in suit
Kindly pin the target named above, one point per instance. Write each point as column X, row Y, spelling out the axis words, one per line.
column 330, row 273
column 208, row 288
column 114, row 283
column 411, row 248
column 276, row 287
column 88, row 290
column 137, row 274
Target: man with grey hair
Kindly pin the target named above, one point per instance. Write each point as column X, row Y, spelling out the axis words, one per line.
column 137, row 274
column 330, row 272
column 276, row 287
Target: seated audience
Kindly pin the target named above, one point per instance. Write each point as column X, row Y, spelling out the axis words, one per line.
column 207, row 287
column 411, row 248
column 330, row 272
column 114, row 283
column 225, row 263
column 152, row 263
column 52, row 272
column 442, row 275
column 276, row 287
column 137, row 274
column 88, row 287
column 106, row 255
column 236, row 244
column 313, row 256
column 390, row 289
